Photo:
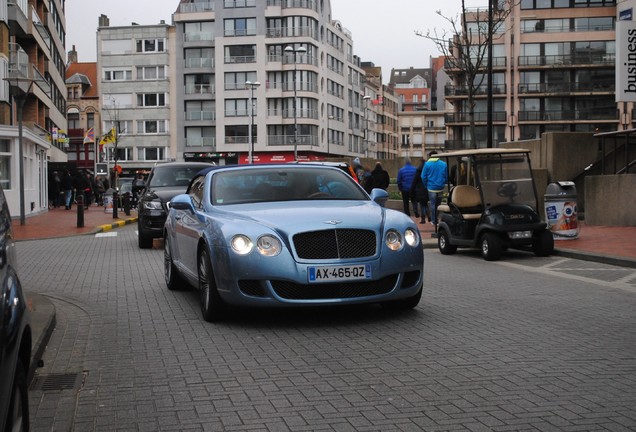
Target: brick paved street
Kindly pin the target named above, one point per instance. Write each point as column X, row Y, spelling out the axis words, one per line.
column 522, row 344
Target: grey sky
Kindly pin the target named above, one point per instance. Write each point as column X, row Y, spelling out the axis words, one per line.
column 383, row 30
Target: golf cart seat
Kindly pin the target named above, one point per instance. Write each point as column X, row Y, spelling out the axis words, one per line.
column 465, row 200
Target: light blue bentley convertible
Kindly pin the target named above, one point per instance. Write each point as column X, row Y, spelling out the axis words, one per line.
column 288, row 236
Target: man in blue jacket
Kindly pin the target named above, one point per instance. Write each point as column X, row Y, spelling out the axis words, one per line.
column 434, row 177
column 404, row 181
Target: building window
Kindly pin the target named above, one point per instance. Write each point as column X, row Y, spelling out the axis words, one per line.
column 122, row 127
column 151, row 153
column 118, row 75
column 151, row 72
column 151, row 126
column 151, row 45
column 231, row 4
column 240, row 54
column 240, row 27
column 236, row 107
column 151, row 99
column 5, row 164
column 236, row 80
column 73, row 120
column 90, row 120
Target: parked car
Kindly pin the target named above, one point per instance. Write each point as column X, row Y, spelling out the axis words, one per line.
column 15, row 334
column 164, row 182
column 285, row 235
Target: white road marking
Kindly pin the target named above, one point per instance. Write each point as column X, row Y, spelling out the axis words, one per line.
column 106, row 234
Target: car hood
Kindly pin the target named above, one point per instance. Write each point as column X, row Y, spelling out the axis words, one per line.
column 293, row 217
column 165, row 194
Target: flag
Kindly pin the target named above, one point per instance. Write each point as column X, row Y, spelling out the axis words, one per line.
column 108, row 138
column 89, row 137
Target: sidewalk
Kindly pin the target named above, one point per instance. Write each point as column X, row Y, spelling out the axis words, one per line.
column 610, row 245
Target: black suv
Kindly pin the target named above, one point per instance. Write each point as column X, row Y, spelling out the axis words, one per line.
column 164, row 182
column 15, row 333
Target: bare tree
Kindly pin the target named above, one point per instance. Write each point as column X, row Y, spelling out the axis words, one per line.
column 465, row 47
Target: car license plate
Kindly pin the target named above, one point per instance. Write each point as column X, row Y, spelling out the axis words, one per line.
column 339, row 273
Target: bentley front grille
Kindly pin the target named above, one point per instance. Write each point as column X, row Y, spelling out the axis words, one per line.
column 335, row 243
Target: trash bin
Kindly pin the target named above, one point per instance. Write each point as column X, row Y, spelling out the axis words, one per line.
column 560, row 210
column 108, row 200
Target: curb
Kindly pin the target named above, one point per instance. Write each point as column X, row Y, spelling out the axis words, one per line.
column 108, row 227
column 43, row 322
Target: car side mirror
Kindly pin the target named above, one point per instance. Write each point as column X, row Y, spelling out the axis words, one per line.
column 182, row 202
column 380, row 196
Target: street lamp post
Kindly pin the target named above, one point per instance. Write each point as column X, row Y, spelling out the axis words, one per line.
column 291, row 50
column 329, row 118
column 20, row 90
column 366, row 99
column 252, row 86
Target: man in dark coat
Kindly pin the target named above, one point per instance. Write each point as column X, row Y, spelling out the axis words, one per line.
column 379, row 178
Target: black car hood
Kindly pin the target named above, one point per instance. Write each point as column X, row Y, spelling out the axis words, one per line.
column 165, row 194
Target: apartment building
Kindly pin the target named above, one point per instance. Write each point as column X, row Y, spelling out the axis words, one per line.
column 553, row 71
column 306, row 97
column 136, row 94
column 32, row 100
column 83, row 115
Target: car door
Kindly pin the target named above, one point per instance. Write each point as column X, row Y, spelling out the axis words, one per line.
column 189, row 226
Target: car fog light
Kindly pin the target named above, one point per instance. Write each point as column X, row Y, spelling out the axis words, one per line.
column 393, row 240
column 268, row 245
column 411, row 237
column 241, row 244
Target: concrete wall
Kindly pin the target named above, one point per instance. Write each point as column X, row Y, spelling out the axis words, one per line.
column 610, row 200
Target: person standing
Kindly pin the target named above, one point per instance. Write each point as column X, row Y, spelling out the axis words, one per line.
column 67, row 186
column 419, row 194
column 434, row 178
column 379, row 178
column 404, row 182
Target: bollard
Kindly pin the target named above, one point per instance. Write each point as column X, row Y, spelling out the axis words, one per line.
column 126, row 203
column 80, row 211
column 115, row 204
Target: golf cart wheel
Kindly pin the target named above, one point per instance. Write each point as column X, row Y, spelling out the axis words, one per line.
column 443, row 243
column 491, row 247
column 543, row 244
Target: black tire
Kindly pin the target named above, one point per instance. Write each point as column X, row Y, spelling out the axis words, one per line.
column 443, row 243
column 491, row 247
column 543, row 244
column 405, row 304
column 18, row 415
column 212, row 306
column 144, row 241
column 174, row 281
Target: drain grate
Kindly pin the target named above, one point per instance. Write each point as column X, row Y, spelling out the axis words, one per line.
column 51, row 382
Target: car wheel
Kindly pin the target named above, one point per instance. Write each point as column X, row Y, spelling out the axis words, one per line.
column 173, row 278
column 212, row 305
column 491, row 247
column 18, row 416
column 405, row 304
column 543, row 244
column 443, row 243
column 144, row 241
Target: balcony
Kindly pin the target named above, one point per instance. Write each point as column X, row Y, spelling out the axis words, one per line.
column 197, row 6
column 497, row 89
column 20, row 68
column 280, row 140
column 200, row 116
column 283, row 32
column 240, row 59
column 200, row 142
column 569, row 115
column 192, row 89
column 298, row 4
column 597, row 59
column 567, row 87
column 480, row 117
column 199, row 63
column 497, row 63
column 18, row 16
column 233, row 4
column 198, row 37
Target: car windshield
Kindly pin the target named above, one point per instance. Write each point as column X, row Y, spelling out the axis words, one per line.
column 505, row 179
column 172, row 176
column 277, row 184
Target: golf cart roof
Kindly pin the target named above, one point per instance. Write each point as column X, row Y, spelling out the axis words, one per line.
column 480, row 152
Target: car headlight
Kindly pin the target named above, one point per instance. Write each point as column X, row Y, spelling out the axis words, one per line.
column 411, row 237
column 393, row 240
column 153, row 205
column 268, row 245
column 242, row 244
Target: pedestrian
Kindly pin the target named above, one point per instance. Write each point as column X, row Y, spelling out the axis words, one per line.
column 378, row 179
column 419, row 194
column 68, row 183
column 356, row 164
column 404, row 182
column 99, row 187
column 55, row 189
column 434, row 177
column 138, row 186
